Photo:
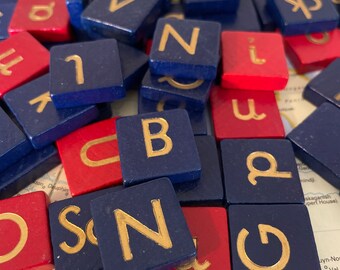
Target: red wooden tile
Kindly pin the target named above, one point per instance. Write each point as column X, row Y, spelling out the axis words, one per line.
column 253, row 61
column 90, row 157
column 209, row 229
column 313, row 51
column 24, row 232
column 245, row 114
column 22, row 58
column 46, row 20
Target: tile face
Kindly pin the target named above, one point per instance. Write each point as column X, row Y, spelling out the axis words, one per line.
column 42, row 122
column 260, row 172
column 209, row 229
column 304, row 16
column 192, row 7
column 277, row 236
column 266, row 19
column 13, row 143
column 315, row 142
column 208, row 190
column 245, row 114
column 74, row 244
column 313, row 51
column 149, row 141
column 158, row 236
column 46, row 20
column 134, row 65
column 119, row 19
column 194, row 93
column 24, row 232
column 90, row 157
column 6, row 10
column 253, row 61
column 27, row 170
column 197, row 118
column 185, row 48
column 245, row 18
column 22, row 58
column 323, row 87
column 75, row 72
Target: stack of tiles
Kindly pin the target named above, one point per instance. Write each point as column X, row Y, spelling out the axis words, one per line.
column 148, row 190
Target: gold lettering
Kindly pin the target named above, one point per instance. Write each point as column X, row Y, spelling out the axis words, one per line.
column 253, row 54
column 252, row 112
column 90, row 234
column 1, row 14
column 72, row 228
column 271, row 172
column 43, row 100
column 195, row 265
column 318, row 41
column 179, row 85
column 148, row 137
column 189, row 48
column 79, row 67
column 114, row 5
column 161, row 104
column 300, row 4
column 23, row 236
column 336, row 1
column 178, row 16
column 96, row 163
column 264, row 230
column 4, row 67
column 162, row 237
column 337, row 97
column 47, row 10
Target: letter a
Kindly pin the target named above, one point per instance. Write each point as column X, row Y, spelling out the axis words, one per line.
column 45, row 12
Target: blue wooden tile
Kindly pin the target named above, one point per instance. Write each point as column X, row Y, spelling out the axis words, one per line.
column 197, row 118
column 157, row 145
column 272, row 237
column 315, row 142
column 337, row 6
column 134, row 65
column 157, row 238
column 303, row 17
column 75, row 9
column 27, row 170
column 245, row 18
column 127, row 21
column 259, row 171
column 75, row 248
column 199, row 7
column 86, row 73
column 194, row 93
column 6, row 11
column 208, row 190
column 324, row 87
column 267, row 22
column 185, row 49
column 42, row 123
column 13, row 143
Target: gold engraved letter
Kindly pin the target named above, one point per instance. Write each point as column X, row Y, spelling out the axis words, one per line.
column 182, row 86
column 1, row 14
column 195, row 265
column 336, row 1
column 300, row 4
column 337, row 97
column 79, row 67
column 46, row 10
column 264, row 230
column 23, row 235
column 318, row 41
column 252, row 112
column 253, row 54
column 89, row 232
column 102, row 162
column 162, row 237
column 43, row 99
column 148, row 137
column 271, row 172
column 114, row 6
column 72, row 228
column 4, row 67
column 189, row 48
